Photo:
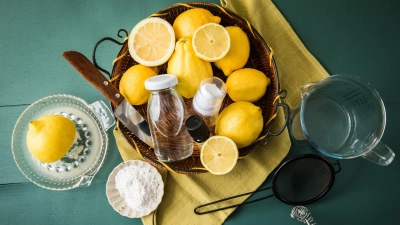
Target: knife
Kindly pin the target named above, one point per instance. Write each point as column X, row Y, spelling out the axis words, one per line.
column 124, row 111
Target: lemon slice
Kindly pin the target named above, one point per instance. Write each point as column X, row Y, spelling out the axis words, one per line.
column 219, row 155
column 211, row 42
column 152, row 41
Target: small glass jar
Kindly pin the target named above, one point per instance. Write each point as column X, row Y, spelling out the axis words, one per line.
column 167, row 115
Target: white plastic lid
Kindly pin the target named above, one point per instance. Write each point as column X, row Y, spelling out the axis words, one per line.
column 211, row 92
column 204, row 109
column 161, row 82
column 209, row 96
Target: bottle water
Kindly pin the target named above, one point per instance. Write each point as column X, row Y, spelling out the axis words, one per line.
column 167, row 115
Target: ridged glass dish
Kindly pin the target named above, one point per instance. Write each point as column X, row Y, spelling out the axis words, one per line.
column 86, row 156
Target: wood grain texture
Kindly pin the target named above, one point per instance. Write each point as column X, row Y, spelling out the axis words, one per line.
column 93, row 76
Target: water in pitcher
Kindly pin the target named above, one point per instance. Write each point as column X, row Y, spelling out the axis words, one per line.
column 340, row 121
column 328, row 124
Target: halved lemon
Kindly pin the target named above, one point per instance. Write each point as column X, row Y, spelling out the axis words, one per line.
column 211, row 42
column 152, row 41
column 219, row 155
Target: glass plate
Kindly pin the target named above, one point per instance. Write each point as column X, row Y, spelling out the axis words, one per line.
column 83, row 160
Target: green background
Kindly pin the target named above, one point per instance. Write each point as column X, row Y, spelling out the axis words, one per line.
column 348, row 37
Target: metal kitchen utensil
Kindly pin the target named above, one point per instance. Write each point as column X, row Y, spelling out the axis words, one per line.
column 124, row 111
column 300, row 180
column 302, row 214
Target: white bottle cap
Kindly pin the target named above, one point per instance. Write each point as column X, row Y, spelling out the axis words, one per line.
column 161, row 82
column 207, row 110
column 211, row 91
column 209, row 96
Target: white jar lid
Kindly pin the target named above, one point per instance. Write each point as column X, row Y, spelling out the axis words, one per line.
column 210, row 92
column 161, row 82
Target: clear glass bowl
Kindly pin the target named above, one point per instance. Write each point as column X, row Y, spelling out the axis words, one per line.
column 79, row 166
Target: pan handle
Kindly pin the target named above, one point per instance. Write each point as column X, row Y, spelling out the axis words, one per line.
column 107, row 39
column 199, row 212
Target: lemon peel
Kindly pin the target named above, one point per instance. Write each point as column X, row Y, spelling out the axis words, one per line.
column 50, row 137
column 240, row 121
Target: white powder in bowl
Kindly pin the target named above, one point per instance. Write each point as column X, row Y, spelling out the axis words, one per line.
column 138, row 186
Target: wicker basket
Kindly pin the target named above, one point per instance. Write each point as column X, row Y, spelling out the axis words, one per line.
column 260, row 59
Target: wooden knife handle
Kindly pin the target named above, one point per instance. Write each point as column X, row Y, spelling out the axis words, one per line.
column 93, row 75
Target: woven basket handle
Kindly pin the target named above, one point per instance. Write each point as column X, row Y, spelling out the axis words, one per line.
column 287, row 115
column 263, row 139
column 108, row 39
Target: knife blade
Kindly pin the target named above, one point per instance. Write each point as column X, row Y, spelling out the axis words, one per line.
column 124, row 111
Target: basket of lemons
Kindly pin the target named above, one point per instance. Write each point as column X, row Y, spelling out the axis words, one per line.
column 194, row 41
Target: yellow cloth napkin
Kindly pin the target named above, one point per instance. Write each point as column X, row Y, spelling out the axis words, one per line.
column 296, row 67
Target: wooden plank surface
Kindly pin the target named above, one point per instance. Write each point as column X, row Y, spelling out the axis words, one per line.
column 353, row 37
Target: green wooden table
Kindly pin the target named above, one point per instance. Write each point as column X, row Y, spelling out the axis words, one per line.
column 359, row 38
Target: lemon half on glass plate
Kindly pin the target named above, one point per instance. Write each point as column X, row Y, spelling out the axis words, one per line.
column 83, row 160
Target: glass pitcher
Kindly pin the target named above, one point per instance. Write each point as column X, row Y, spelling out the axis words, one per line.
column 342, row 117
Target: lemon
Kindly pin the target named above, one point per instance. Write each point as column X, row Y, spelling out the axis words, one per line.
column 189, row 68
column 131, row 84
column 219, row 155
column 155, row 69
column 187, row 22
column 211, row 42
column 240, row 121
column 247, row 84
column 50, row 137
column 238, row 54
column 151, row 42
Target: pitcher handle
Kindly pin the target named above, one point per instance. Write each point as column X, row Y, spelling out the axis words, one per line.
column 305, row 89
column 381, row 154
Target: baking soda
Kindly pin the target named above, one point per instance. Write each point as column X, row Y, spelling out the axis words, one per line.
column 138, row 186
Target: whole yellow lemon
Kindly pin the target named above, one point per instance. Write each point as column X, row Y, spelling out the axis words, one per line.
column 238, row 54
column 240, row 121
column 50, row 137
column 189, row 68
column 131, row 84
column 187, row 22
column 247, row 84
